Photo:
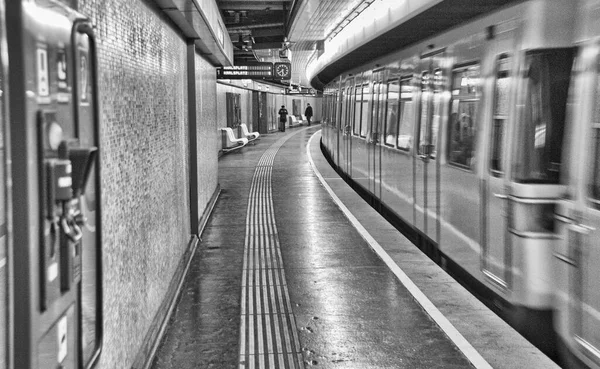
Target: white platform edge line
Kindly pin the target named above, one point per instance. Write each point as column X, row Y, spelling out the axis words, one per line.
column 463, row 345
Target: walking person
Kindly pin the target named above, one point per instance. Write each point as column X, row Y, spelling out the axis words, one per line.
column 308, row 113
column 282, row 118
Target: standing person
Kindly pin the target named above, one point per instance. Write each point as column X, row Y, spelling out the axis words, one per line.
column 282, row 118
column 308, row 113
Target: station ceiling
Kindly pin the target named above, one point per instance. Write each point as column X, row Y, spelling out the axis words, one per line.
column 259, row 29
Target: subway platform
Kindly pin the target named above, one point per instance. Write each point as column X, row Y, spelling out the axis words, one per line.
column 295, row 270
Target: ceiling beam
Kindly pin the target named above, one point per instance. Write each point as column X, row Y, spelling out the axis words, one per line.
column 266, row 32
column 251, row 5
column 266, row 45
column 254, row 26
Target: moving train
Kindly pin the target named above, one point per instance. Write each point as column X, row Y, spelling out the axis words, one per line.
column 483, row 144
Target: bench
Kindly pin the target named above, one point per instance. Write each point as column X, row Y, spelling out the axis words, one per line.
column 294, row 122
column 230, row 142
column 251, row 136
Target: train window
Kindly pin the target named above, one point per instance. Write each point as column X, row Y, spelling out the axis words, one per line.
column 500, row 114
column 405, row 134
column 381, row 111
column 364, row 118
column 378, row 110
column 425, row 95
column 595, row 180
column 357, row 110
column 391, row 121
column 466, row 84
column 343, row 103
column 334, row 108
column 375, row 109
column 438, row 88
column 348, row 120
column 540, row 132
column 324, row 107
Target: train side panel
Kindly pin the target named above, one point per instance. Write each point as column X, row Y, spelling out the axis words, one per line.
column 577, row 255
column 474, row 169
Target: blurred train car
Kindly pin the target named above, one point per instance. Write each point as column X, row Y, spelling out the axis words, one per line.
column 463, row 140
column 576, row 275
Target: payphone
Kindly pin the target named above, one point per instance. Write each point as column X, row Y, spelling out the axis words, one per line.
column 54, row 122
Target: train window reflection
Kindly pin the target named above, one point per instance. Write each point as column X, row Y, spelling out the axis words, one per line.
column 348, row 120
column 463, row 117
column 343, row 104
column 334, row 108
column 366, row 95
column 595, row 180
column 540, row 133
column 438, row 88
column 407, row 123
column 378, row 111
column 425, row 96
column 391, row 121
column 500, row 115
column 357, row 110
column 375, row 109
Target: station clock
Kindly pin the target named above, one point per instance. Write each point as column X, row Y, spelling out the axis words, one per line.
column 282, row 70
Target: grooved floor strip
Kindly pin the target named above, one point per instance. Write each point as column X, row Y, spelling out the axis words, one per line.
column 268, row 335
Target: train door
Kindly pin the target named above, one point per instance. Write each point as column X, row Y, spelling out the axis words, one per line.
column 374, row 138
column 54, row 153
column 427, row 169
column 583, row 247
column 495, row 249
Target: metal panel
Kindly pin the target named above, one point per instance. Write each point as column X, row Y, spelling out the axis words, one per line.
column 4, row 206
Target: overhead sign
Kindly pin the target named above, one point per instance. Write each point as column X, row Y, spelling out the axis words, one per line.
column 259, row 70
column 253, row 71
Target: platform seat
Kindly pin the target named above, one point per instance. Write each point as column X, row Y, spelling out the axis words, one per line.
column 294, row 122
column 303, row 119
column 230, row 142
column 251, row 136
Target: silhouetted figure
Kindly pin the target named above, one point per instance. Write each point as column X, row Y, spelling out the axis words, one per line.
column 282, row 118
column 308, row 113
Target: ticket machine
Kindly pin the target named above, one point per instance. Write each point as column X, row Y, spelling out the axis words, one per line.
column 56, row 234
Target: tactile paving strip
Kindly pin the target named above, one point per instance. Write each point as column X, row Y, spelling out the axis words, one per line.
column 268, row 334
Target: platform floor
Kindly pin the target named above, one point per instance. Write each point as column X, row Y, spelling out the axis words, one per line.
column 287, row 276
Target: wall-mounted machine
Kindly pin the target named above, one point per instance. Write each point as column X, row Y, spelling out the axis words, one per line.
column 54, row 142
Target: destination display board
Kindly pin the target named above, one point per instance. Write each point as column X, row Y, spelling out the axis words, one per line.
column 259, row 70
column 252, row 71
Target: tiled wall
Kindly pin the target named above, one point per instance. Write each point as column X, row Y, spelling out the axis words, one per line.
column 208, row 137
column 144, row 143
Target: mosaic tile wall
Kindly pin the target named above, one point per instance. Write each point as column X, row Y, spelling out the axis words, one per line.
column 208, row 137
column 143, row 94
